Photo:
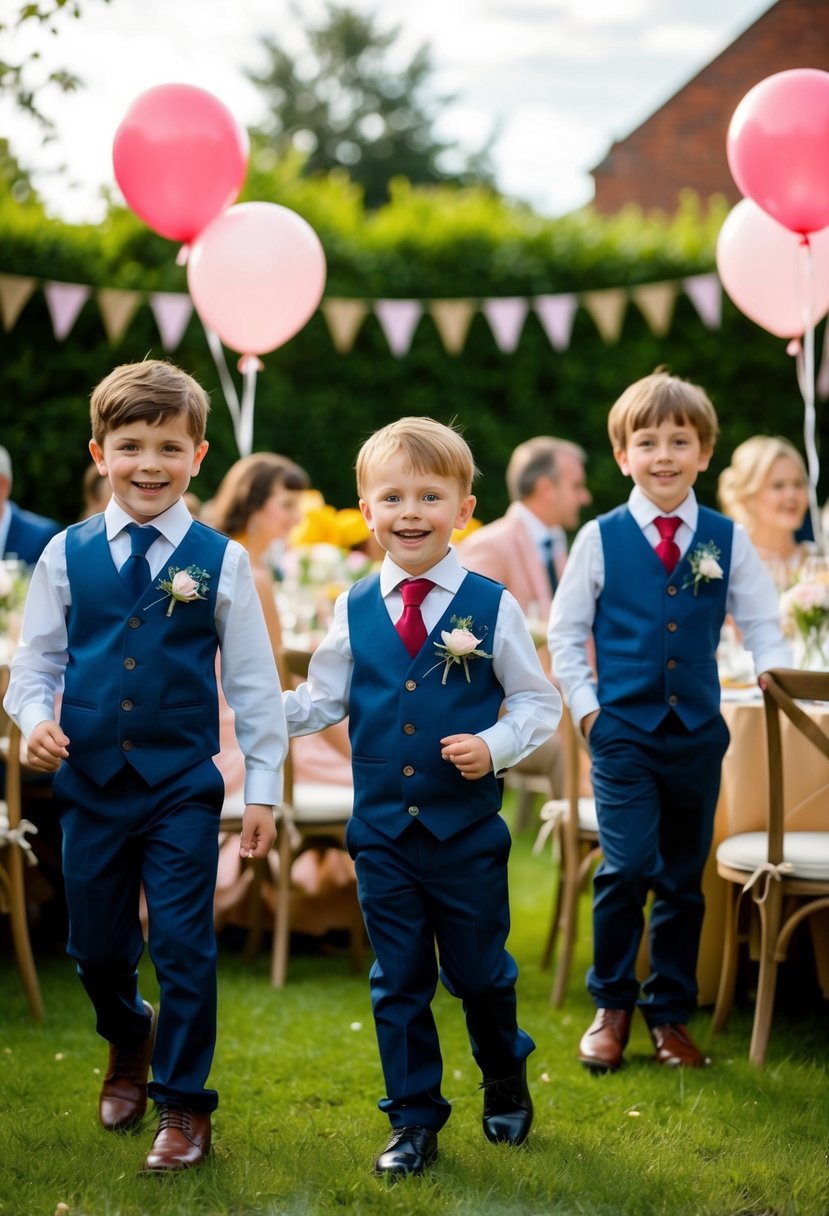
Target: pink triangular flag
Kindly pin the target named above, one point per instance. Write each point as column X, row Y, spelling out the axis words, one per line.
column 65, row 301
column 506, row 318
column 172, row 311
column 398, row 320
column 705, row 293
column 556, row 314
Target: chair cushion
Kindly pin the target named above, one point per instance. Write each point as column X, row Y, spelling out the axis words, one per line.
column 808, row 852
column 314, row 801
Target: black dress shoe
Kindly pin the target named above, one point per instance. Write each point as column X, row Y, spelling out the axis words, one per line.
column 508, row 1108
column 409, row 1151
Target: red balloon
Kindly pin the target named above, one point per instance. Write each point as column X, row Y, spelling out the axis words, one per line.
column 180, row 158
column 256, row 275
column 769, row 272
column 778, row 147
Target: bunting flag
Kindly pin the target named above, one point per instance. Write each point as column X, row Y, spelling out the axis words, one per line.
column 117, row 310
column 398, row 318
column 556, row 314
column 65, row 301
column 656, row 302
column 344, row 318
column 607, row 308
column 15, row 290
column 172, row 312
column 452, row 319
column 506, row 318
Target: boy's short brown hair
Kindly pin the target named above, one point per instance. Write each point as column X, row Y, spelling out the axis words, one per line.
column 429, row 447
column 152, row 391
column 658, row 398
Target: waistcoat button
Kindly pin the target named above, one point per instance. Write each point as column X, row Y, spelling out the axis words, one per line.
column 129, row 664
column 127, row 745
column 408, row 771
column 410, row 685
column 126, row 704
column 672, row 590
column 672, row 626
column 671, row 664
column 673, row 700
column 414, row 810
column 408, row 729
column 134, row 622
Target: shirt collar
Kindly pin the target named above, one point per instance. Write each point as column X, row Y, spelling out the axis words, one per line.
column 538, row 531
column 173, row 524
column 645, row 512
column 448, row 574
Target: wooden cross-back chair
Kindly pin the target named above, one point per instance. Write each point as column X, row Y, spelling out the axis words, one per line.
column 781, row 874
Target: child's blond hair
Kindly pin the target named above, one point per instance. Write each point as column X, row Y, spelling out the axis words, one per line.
column 659, row 398
column 428, row 447
column 152, row 391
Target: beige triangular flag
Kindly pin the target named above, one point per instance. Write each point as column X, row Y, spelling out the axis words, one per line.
column 607, row 308
column 656, row 302
column 15, row 290
column 117, row 310
column 452, row 319
column 344, row 318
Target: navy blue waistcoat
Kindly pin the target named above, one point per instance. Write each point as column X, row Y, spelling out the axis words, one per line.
column 140, row 685
column 399, row 711
column 656, row 641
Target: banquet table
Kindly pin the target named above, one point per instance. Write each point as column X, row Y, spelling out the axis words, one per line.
column 743, row 807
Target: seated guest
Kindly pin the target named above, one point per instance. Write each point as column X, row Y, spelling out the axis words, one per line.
column 22, row 533
column 765, row 488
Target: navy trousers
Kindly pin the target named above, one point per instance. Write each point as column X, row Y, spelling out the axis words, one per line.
column 656, row 793
column 417, row 893
column 116, row 837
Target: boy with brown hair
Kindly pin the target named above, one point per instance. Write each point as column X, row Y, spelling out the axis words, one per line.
column 126, row 612
column 652, row 581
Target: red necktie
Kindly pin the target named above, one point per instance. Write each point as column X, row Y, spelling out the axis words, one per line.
column 667, row 549
column 410, row 625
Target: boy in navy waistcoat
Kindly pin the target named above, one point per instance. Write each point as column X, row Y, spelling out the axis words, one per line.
column 653, row 580
column 423, row 688
column 125, row 616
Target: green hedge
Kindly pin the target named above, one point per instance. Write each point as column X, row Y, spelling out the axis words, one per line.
column 316, row 405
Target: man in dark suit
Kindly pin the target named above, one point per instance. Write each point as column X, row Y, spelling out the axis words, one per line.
column 23, row 534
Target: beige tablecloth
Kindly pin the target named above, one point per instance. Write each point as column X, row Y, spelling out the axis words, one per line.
column 743, row 807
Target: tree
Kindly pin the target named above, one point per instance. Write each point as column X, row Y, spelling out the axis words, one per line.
column 344, row 106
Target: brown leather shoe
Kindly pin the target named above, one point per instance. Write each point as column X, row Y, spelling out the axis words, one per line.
column 123, row 1098
column 675, row 1047
column 606, row 1038
column 182, row 1140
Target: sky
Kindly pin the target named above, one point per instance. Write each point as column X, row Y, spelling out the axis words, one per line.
column 557, row 81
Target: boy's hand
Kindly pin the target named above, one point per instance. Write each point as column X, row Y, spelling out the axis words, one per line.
column 46, row 746
column 469, row 754
column 258, row 831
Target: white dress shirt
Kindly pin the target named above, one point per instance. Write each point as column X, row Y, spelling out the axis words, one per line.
column 540, row 533
column 751, row 599
column 249, row 678
column 532, row 706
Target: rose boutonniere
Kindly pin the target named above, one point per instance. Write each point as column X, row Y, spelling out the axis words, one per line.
column 705, row 567
column 184, row 586
column 459, row 646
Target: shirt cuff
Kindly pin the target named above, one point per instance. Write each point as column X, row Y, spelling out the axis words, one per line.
column 263, row 786
column 32, row 715
column 583, row 702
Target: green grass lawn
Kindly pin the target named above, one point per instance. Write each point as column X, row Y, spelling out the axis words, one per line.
column 299, row 1079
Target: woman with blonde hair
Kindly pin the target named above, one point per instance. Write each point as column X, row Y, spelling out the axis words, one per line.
column 765, row 488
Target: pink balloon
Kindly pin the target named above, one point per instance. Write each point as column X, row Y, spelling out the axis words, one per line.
column 256, row 275
column 778, row 147
column 764, row 267
column 180, row 158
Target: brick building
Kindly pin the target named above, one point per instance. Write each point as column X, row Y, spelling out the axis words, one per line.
column 682, row 144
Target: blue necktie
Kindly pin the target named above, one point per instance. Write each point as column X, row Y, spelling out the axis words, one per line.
column 136, row 569
column 552, row 573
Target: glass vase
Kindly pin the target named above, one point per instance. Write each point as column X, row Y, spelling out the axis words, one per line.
column 811, row 648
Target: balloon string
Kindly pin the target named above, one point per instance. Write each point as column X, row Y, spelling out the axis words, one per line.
column 245, row 439
column 226, row 381
column 806, row 382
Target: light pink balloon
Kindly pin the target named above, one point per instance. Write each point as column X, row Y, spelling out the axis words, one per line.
column 180, row 158
column 764, row 267
column 256, row 275
column 778, row 147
